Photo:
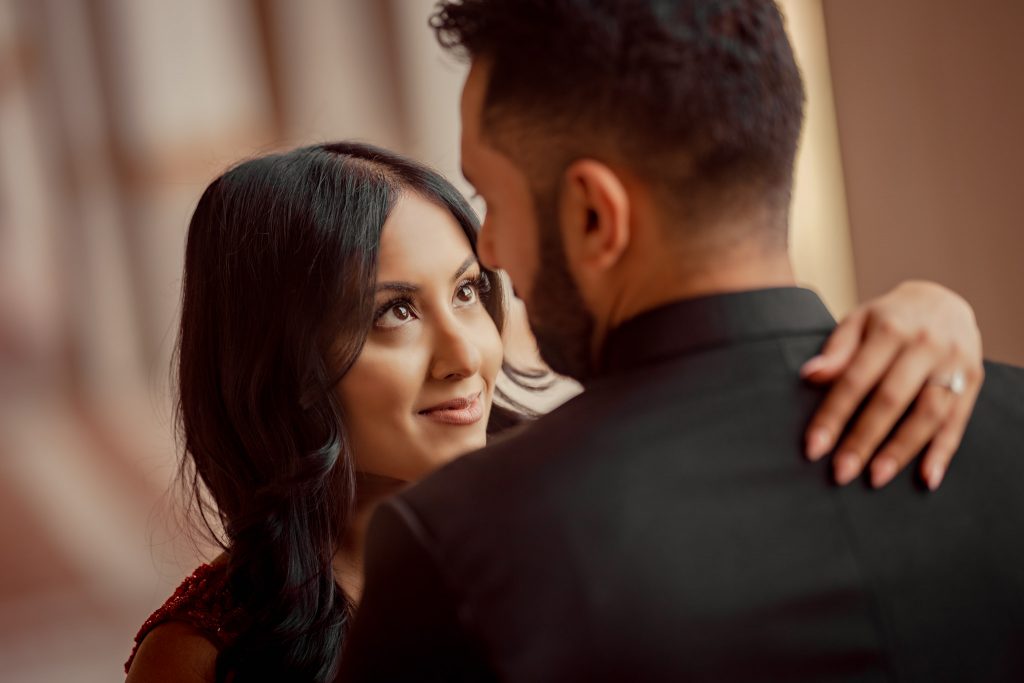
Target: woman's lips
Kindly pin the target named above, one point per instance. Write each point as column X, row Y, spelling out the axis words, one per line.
column 461, row 411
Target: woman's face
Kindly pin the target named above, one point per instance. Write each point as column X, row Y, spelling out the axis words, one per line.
column 420, row 392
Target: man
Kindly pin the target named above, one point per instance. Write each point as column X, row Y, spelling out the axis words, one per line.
column 636, row 159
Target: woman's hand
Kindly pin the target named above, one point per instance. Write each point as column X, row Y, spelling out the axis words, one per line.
column 919, row 346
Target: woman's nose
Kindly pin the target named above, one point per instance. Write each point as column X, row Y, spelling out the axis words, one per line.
column 456, row 356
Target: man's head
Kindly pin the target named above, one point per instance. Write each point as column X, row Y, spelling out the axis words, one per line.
column 611, row 137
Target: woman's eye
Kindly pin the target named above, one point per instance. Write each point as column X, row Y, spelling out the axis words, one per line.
column 395, row 316
column 466, row 293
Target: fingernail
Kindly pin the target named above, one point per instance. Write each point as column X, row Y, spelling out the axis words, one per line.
column 847, row 466
column 812, row 366
column 818, row 443
column 882, row 472
column 934, row 477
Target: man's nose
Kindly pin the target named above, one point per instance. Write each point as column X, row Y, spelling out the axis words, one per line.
column 485, row 247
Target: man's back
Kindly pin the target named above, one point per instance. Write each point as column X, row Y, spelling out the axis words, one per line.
column 665, row 526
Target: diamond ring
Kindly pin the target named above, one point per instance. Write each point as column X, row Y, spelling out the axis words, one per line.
column 955, row 381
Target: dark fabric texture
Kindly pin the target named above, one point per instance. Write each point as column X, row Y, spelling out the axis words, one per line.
column 665, row 526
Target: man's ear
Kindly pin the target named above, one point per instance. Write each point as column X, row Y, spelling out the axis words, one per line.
column 594, row 211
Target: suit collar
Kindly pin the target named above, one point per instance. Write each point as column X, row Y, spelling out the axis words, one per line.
column 691, row 325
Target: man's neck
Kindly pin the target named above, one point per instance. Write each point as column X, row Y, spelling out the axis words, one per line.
column 678, row 275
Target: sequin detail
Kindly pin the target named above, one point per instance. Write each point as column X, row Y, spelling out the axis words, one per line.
column 201, row 601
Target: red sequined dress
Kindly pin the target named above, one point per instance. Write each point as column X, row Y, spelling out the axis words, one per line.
column 203, row 602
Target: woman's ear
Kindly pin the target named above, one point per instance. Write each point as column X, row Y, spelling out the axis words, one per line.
column 594, row 212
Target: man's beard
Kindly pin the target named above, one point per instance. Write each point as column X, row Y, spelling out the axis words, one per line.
column 558, row 316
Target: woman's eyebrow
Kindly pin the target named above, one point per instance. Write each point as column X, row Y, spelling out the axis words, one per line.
column 401, row 287
column 470, row 260
column 409, row 288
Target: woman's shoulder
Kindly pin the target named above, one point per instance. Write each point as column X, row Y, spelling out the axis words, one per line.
column 173, row 651
column 189, row 629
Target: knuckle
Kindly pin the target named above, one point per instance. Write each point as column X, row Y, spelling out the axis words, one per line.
column 931, row 407
column 907, row 453
column 855, row 449
column 897, row 447
column 976, row 374
column 831, row 423
column 854, row 383
column 903, row 455
column 888, row 399
column 957, row 352
column 929, row 340
column 827, row 418
column 862, row 442
column 909, row 443
column 969, row 363
column 886, row 326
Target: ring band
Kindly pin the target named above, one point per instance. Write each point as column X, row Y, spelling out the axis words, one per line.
column 955, row 381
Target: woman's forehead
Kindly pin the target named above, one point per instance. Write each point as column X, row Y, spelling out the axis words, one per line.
column 421, row 240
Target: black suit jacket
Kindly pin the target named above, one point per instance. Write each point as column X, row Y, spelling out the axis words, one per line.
column 665, row 526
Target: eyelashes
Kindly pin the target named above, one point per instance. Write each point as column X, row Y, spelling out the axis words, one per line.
column 482, row 284
column 393, row 305
column 388, row 305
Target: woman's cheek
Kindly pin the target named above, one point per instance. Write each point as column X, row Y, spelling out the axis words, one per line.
column 377, row 395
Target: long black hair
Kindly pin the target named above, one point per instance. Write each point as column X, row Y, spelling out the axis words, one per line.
column 280, row 270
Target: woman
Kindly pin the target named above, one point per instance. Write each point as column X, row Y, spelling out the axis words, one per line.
column 338, row 339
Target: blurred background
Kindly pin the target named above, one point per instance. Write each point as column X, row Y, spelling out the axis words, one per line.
column 115, row 114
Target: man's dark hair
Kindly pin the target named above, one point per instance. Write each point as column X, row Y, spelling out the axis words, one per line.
column 700, row 98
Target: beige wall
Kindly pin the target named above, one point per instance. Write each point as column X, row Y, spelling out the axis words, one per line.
column 930, row 102
column 819, row 232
